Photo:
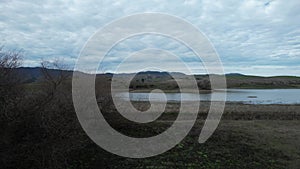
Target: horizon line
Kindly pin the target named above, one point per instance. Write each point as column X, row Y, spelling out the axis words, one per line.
column 203, row 74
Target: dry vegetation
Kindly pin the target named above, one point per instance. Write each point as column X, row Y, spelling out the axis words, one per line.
column 39, row 128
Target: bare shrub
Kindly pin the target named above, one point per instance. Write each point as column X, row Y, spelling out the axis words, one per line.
column 10, row 88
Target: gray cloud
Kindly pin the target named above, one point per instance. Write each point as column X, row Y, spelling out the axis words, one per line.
column 252, row 37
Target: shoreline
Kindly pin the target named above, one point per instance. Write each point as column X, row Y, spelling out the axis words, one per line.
column 236, row 111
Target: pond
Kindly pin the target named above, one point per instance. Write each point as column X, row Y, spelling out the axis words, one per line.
column 246, row 96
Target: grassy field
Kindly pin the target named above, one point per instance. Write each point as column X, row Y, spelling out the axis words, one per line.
column 235, row 144
column 248, row 136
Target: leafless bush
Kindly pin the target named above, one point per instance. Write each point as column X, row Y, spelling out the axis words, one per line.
column 10, row 88
column 44, row 128
column 54, row 79
column 57, row 116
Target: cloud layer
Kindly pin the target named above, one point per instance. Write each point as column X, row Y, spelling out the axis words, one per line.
column 251, row 36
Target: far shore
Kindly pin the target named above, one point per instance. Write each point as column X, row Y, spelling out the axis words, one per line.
column 198, row 91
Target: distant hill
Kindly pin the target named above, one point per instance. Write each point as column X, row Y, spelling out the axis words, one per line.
column 33, row 74
column 234, row 74
column 248, row 81
column 156, row 78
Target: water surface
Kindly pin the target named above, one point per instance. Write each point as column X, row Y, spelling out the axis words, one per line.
column 247, row 96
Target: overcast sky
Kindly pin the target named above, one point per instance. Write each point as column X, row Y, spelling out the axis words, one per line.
column 251, row 36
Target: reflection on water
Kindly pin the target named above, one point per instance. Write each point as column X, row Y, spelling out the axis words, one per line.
column 247, row 96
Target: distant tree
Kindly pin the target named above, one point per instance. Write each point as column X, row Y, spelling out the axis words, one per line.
column 204, row 84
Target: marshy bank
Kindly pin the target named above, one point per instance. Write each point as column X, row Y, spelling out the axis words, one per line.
column 237, row 111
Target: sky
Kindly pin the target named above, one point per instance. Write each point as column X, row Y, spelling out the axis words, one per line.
column 257, row 37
